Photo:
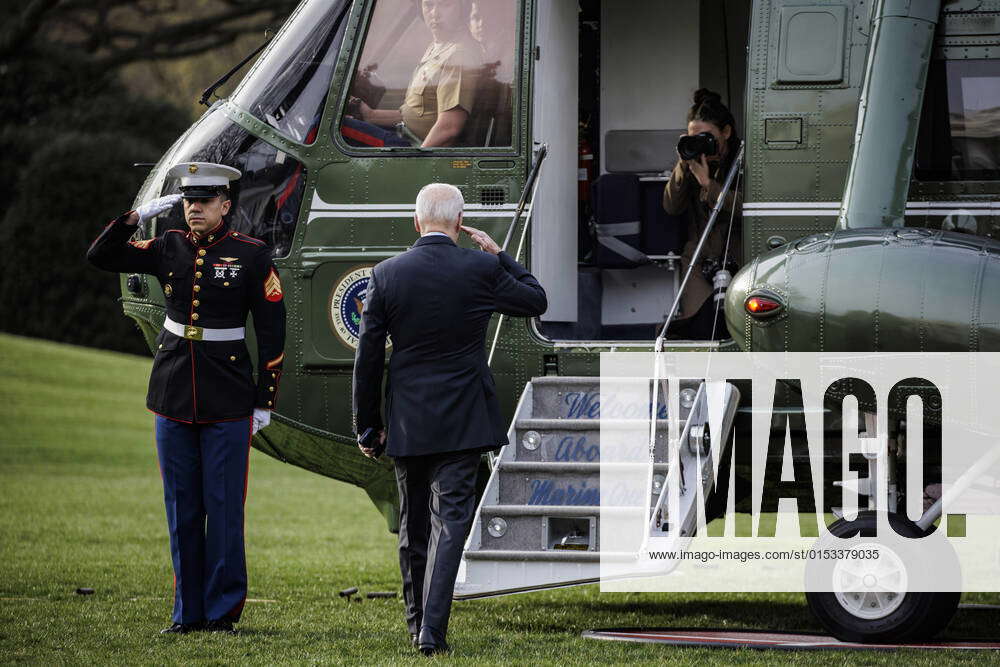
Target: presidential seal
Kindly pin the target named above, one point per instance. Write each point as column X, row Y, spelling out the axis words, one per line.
column 347, row 302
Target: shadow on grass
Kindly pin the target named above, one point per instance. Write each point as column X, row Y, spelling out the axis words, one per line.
column 257, row 632
column 551, row 615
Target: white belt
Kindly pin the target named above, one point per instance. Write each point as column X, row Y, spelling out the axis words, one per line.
column 203, row 333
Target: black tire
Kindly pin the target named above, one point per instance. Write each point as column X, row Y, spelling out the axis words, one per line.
column 919, row 616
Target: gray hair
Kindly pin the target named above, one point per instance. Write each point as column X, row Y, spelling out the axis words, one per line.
column 439, row 205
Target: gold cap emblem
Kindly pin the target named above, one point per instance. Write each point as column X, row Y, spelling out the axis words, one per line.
column 193, row 169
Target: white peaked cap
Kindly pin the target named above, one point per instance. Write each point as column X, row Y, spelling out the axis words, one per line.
column 203, row 173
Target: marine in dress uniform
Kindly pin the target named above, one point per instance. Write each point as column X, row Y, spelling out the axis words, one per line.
column 202, row 388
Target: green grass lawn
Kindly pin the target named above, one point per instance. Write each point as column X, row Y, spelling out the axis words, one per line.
column 80, row 506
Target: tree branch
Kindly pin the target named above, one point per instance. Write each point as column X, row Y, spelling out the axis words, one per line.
column 23, row 28
column 113, row 33
column 173, row 50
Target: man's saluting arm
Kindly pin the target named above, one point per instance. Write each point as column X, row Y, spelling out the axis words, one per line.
column 516, row 291
column 112, row 250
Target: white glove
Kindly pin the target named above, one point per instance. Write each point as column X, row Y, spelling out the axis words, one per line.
column 151, row 209
column 261, row 418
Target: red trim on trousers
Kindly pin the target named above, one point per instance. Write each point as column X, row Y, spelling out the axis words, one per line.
column 194, row 388
column 237, row 610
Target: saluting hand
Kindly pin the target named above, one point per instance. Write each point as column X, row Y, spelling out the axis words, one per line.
column 151, row 209
column 482, row 239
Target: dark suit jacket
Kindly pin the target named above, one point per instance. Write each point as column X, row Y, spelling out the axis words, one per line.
column 435, row 302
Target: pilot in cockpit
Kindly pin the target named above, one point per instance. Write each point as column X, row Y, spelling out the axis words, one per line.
column 442, row 89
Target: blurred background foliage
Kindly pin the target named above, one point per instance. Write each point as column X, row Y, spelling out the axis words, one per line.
column 88, row 88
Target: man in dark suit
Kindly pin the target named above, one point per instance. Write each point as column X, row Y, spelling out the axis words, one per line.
column 435, row 302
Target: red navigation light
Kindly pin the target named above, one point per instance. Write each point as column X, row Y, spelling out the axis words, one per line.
column 762, row 305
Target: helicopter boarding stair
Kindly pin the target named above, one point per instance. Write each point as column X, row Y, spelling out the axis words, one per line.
column 538, row 523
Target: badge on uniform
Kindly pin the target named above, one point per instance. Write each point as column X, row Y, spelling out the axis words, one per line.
column 272, row 287
column 141, row 245
column 168, row 291
column 227, row 270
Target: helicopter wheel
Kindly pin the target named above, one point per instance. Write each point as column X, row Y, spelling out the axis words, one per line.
column 868, row 602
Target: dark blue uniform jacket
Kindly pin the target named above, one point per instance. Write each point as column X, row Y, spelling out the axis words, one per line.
column 435, row 301
column 212, row 282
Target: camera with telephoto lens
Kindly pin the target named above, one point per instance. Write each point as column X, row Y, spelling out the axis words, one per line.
column 691, row 146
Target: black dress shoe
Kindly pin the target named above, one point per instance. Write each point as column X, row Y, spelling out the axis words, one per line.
column 430, row 650
column 182, row 628
column 431, row 643
column 222, row 625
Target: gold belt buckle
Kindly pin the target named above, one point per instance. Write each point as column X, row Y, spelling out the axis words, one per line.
column 192, row 332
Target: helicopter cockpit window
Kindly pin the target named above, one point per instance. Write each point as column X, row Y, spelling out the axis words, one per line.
column 435, row 74
column 288, row 89
column 960, row 124
column 266, row 199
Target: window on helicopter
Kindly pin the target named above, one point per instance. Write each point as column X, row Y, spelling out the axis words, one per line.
column 288, row 88
column 435, row 74
column 959, row 136
column 266, row 199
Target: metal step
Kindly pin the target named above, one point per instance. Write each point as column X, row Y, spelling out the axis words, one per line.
column 549, row 487
column 540, row 483
column 571, row 397
column 566, row 397
column 549, row 510
column 579, row 440
column 547, row 424
column 538, row 525
column 573, row 467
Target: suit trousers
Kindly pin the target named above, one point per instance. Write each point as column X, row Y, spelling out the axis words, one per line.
column 204, row 469
column 437, row 501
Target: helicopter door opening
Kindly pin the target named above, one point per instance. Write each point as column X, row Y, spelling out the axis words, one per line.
column 613, row 84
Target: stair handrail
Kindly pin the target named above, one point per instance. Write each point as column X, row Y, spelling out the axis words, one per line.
column 530, row 185
column 736, row 166
column 660, row 339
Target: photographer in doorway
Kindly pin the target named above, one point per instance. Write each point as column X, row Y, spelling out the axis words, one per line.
column 705, row 155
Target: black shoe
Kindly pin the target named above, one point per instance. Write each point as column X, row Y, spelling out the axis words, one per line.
column 223, row 625
column 182, row 628
column 430, row 643
column 431, row 650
